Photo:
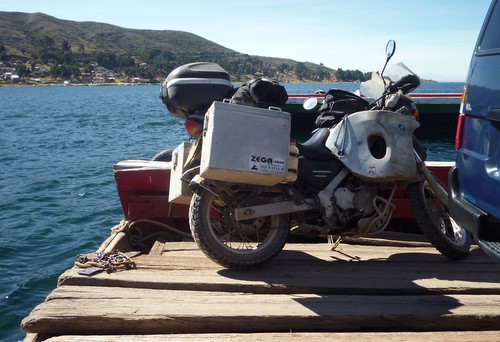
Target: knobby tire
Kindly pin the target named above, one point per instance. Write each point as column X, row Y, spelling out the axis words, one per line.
column 435, row 222
column 209, row 235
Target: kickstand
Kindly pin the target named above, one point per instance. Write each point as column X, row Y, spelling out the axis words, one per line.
column 334, row 240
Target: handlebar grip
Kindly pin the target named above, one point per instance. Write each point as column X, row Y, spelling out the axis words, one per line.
column 405, row 84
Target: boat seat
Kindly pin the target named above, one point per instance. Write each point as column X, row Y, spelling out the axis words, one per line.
column 315, row 148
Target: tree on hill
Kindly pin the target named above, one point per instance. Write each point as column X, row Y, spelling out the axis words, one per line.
column 23, row 70
column 3, row 52
column 349, row 75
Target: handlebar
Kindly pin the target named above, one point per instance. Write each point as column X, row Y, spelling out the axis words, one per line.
column 405, row 84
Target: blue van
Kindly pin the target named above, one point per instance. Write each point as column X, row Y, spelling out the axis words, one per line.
column 474, row 181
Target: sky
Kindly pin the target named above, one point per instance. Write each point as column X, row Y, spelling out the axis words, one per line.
column 435, row 38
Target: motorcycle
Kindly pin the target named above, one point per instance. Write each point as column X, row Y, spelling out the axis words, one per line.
column 348, row 172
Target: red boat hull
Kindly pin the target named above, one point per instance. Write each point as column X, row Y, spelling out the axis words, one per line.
column 143, row 189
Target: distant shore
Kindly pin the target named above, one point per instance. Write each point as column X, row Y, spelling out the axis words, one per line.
column 74, row 84
column 70, row 84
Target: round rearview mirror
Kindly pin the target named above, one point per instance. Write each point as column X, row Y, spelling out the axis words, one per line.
column 390, row 48
column 310, row 103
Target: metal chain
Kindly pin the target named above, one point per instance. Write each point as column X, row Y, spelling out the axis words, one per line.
column 109, row 262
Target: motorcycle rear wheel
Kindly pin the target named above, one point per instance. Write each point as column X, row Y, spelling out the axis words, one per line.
column 230, row 243
column 433, row 218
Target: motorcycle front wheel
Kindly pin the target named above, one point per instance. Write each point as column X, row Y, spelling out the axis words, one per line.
column 433, row 218
column 230, row 243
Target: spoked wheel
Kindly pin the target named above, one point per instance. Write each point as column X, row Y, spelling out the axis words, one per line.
column 230, row 243
column 433, row 218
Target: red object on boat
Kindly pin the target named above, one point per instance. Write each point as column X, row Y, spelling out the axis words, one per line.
column 143, row 189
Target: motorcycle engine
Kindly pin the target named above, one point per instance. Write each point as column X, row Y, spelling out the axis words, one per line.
column 359, row 199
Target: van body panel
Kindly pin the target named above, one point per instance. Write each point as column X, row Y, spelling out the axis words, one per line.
column 474, row 181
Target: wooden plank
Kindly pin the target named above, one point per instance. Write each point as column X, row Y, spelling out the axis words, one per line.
column 336, row 279
column 437, row 336
column 308, row 269
column 157, row 248
column 347, row 252
column 106, row 310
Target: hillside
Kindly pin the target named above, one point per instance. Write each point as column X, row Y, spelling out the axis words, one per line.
column 69, row 48
column 22, row 32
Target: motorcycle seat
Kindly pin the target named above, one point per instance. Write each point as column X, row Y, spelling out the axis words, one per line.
column 315, row 148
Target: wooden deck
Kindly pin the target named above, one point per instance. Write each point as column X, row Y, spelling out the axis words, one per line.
column 390, row 290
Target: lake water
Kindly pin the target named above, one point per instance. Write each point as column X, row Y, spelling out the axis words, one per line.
column 57, row 192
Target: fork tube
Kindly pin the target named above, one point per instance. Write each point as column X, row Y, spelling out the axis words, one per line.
column 441, row 193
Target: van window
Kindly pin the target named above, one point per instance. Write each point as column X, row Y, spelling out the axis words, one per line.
column 491, row 37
